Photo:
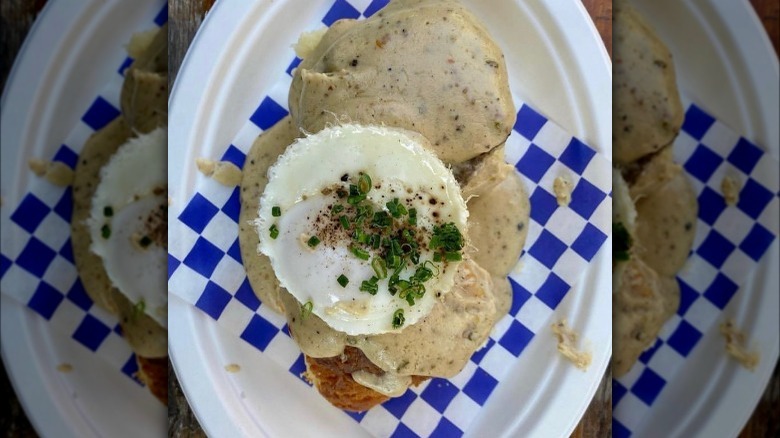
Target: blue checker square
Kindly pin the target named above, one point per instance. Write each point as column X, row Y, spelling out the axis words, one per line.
column 516, row 338
column 547, row 249
column 480, row 354
column 745, row 156
column 45, row 300
column 480, row 386
column 697, row 122
column 30, row 213
column 374, row 7
column 125, row 65
column 235, row 156
column 357, row 416
column 648, row 386
column 403, row 431
column 246, row 296
column 529, row 122
column 543, row 205
column 721, row 290
column 619, row 430
column 399, row 405
column 618, row 391
column 588, row 242
column 78, row 296
column 715, row 248
column 232, row 207
column 648, row 354
column 754, row 198
column 173, row 264
column 91, row 332
column 577, row 156
column 204, row 257
column 64, row 207
column 340, row 9
column 552, row 291
column 445, row 429
column 684, row 338
column 235, row 251
column 519, row 296
column 295, row 63
column 130, row 369
column 67, row 251
column 5, row 264
column 100, row 114
column 162, row 16
column 703, row 163
column 687, row 296
column 198, row 213
column 268, row 113
column 585, row 198
column 535, row 163
column 213, row 300
column 757, row 242
column 36, row 257
column 298, row 368
column 259, row 332
column 67, row 156
column 711, row 205
column 439, row 393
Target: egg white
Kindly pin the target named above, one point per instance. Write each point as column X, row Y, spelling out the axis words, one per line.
column 400, row 166
column 127, row 187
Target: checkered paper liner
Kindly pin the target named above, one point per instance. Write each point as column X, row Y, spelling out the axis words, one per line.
column 205, row 266
column 36, row 262
column 729, row 243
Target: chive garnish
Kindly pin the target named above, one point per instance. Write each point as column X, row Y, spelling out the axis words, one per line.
column 370, row 286
column 412, row 216
column 306, row 309
column 138, row 308
column 108, row 211
column 337, row 208
column 380, row 267
column 276, row 211
column 453, row 256
column 359, row 253
column 381, row 219
column 105, row 231
column 621, row 243
column 273, row 231
column 395, row 208
column 313, row 241
column 344, row 222
column 343, row 280
column 398, row 318
column 364, row 183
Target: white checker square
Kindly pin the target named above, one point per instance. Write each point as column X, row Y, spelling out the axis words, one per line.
column 280, row 91
column 738, row 266
column 283, row 350
column 61, row 274
column 272, row 316
column 113, row 91
column 221, row 231
column 669, row 327
column 552, row 139
column 115, row 350
column 462, row 410
column 48, row 193
column 181, row 240
column 599, row 173
column 360, row 5
column 720, row 139
column 421, row 417
column 630, row 411
column 666, row 361
column 246, row 137
column 702, row 314
column 103, row 316
column 534, row 314
column 462, row 378
column 497, row 362
column 698, row 273
column 516, row 146
column 768, row 217
column 379, row 422
column 566, row 225
column 67, row 317
column 53, row 231
column 19, row 284
column 683, row 148
column 766, row 173
column 632, row 375
column 235, row 317
column 501, row 326
column 547, row 182
column 602, row 216
column 215, row 192
column 570, row 266
column 534, row 273
column 78, row 136
column 229, row 274
column 716, row 179
column 733, row 224
column 187, row 284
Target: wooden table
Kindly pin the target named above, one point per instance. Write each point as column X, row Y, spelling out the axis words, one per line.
column 185, row 18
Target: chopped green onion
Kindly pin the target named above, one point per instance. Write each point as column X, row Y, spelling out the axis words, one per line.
column 423, row 274
column 398, row 318
column 621, row 243
column 360, row 236
column 453, row 256
column 448, row 237
column 108, row 211
column 359, row 253
column 376, row 240
column 138, row 308
column 105, row 231
column 396, row 208
column 369, row 286
column 381, row 219
column 337, row 208
column 415, row 257
column 343, row 280
column 306, row 309
column 276, row 211
column 273, row 231
column 344, row 222
column 393, row 261
column 313, row 241
column 364, row 183
column 412, row 216
column 437, row 257
column 380, row 267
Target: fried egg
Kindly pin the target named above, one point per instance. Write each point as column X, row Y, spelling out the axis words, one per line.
column 321, row 261
column 128, row 223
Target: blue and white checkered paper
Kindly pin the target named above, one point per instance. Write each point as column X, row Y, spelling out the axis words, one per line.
column 205, row 266
column 36, row 262
column 729, row 243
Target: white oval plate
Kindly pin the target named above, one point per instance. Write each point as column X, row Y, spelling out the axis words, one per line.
column 556, row 62
column 726, row 64
column 54, row 79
